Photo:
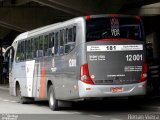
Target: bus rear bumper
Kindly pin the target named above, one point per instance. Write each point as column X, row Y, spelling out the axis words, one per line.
column 87, row 90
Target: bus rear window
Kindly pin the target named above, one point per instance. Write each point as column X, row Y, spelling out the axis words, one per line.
column 113, row 27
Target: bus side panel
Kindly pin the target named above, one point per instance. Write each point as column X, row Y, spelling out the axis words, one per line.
column 47, row 64
column 81, row 50
column 61, row 71
column 36, row 82
column 73, row 62
column 21, row 77
column 39, row 83
column 23, row 74
column 63, row 76
column 69, row 76
column 48, row 76
column 12, row 82
column 68, row 70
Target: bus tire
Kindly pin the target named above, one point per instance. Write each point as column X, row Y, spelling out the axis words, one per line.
column 53, row 102
column 22, row 100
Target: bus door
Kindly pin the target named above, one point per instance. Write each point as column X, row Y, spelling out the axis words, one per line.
column 9, row 57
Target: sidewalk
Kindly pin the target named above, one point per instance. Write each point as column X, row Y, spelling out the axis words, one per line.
column 4, row 87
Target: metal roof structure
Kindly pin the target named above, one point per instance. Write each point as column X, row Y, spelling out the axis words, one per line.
column 18, row 16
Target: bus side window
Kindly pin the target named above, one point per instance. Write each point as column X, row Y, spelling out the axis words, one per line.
column 40, row 50
column 56, row 48
column 61, row 46
column 11, row 55
column 23, row 52
column 34, row 47
column 74, row 34
column 70, row 35
column 46, row 45
column 71, row 38
column 51, row 44
column 66, row 40
column 28, row 49
column 65, row 36
column 18, row 54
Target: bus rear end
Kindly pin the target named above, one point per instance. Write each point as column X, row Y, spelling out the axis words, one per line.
column 115, row 57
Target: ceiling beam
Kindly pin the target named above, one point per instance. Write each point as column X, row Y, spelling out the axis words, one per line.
column 27, row 18
column 62, row 6
column 10, row 26
column 7, row 3
column 21, row 2
column 136, row 4
column 81, row 7
column 146, row 10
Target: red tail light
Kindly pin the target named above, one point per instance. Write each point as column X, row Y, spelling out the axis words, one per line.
column 87, row 17
column 85, row 77
column 144, row 73
column 137, row 17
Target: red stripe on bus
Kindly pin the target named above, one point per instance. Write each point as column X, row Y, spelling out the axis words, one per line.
column 41, row 93
column 113, row 39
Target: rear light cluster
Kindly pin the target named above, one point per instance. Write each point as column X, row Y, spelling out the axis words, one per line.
column 87, row 17
column 138, row 17
column 144, row 73
column 85, row 77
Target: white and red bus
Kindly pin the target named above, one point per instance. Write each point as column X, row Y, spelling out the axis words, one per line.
column 87, row 57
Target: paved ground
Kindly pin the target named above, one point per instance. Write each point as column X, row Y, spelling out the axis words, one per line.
column 110, row 109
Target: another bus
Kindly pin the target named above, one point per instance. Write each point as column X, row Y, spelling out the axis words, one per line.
column 83, row 58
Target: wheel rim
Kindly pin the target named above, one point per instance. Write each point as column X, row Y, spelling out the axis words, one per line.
column 51, row 99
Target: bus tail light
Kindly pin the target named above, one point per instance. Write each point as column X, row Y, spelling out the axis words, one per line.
column 138, row 17
column 144, row 73
column 87, row 17
column 85, row 77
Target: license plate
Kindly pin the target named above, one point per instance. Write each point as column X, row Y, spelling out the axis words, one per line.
column 116, row 89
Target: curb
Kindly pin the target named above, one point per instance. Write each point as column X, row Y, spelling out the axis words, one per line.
column 4, row 88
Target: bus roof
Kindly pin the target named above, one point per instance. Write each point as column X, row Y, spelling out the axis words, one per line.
column 45, row 29
column 61, row 24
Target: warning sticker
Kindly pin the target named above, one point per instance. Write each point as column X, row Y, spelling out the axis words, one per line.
column 132, row 68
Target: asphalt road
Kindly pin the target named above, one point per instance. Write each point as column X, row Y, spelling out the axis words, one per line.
column 110, row 109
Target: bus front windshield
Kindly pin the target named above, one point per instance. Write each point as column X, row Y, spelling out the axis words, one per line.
column 113, row 27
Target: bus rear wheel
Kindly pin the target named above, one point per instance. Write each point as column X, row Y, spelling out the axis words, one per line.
column 53, row 102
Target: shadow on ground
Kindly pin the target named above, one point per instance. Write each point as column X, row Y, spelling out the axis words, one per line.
column 112, row 105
